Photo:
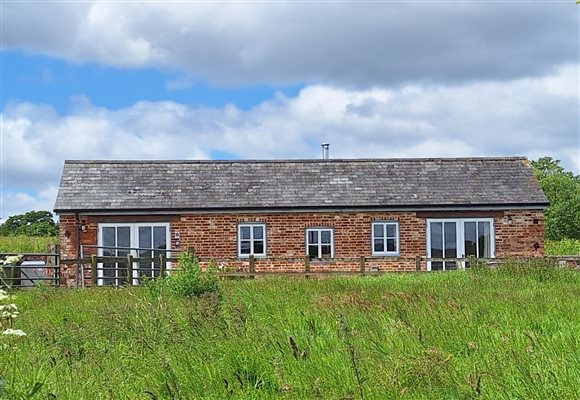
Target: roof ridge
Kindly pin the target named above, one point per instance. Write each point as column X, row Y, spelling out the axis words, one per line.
column 299, row 160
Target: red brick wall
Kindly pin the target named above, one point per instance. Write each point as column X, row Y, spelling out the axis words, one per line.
column 214, row 236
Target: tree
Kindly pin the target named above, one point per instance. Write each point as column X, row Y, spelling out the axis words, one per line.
column 562, row 188
column 32, row 223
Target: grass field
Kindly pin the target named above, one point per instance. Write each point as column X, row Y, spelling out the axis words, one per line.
column 25, row 244
column 500, row 334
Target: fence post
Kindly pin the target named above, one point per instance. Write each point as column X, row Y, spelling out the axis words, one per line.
column 362, row 264
column 417, row 263
column 162, row 266
column 252, row 266
column 457, row 264
column 52, row 264
column 190, row 251
column 471, row 260
column 307, row 264
column 130, row 269
column 94, row 270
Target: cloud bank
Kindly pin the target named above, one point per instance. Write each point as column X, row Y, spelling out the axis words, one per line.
column 531, row 117
column 345, row 44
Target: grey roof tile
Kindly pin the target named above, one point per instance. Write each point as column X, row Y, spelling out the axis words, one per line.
column 193, row 185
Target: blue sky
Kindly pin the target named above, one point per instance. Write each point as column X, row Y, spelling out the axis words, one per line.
column 227, row 80
column 47, row 80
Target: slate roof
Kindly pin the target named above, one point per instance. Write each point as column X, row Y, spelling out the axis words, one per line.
column 458, row 183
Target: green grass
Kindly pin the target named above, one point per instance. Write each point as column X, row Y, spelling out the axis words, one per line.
column 25, row 244
column 500, row 334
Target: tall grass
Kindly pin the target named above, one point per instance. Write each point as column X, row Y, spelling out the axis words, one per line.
column 491, row 334
column 25, row 244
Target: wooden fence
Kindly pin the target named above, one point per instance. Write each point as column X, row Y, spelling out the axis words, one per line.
column 94, row 270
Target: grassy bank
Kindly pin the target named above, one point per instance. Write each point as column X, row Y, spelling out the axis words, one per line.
column 499, row 334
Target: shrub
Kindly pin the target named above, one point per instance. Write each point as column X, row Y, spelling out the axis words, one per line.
column 188, row 280
column 564, row 247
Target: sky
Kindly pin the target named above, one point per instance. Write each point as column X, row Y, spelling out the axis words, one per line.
column 274, row 79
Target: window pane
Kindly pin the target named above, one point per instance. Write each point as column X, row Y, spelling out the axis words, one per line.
column 244, row 232
column 109, row 240
column 436, row 240
column 325, row 236
column 123, row 236
column 391, row 245
column 312, row 237
column 436, row 265
column 484, row 239
column 258, row 232
column 392, row 230
column 259, row 247
column 145, row 237
column 160, row 237
column 470, row 239
column 450, row 240
column 378, row 230
column 245, row 247
column 326, row 251
column 379, row 246
column 313, row 251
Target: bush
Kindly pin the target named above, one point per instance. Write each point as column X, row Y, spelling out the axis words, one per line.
column 564, row 247
column 188, row 280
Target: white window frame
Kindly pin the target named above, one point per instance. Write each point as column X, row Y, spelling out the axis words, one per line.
column 134, row 243
column 319, row 244
column 460, row 236
column 396, row 237
column 252, row 225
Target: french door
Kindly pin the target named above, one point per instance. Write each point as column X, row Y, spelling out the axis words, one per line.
column 459, row 238
column 145, row 240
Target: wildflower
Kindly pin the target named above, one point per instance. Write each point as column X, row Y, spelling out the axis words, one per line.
column 12, row 260
column 8, row 311
column 14, row 332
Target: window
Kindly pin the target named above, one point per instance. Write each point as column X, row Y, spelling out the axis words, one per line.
column 319, row 243
column 251, row 240
column 385, row 238
column 459, row 238
column 143, row 240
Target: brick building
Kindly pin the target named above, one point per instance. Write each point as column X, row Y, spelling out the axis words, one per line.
column 281, row 212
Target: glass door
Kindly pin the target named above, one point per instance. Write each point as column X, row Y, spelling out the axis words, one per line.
column 477, row 240
column 148, row 240
column 154, row 238
column 443, row 244
column 115, row 242
column 459, row 238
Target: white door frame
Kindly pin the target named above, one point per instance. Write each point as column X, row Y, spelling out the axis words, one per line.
column 134, row 243
column 460, row 236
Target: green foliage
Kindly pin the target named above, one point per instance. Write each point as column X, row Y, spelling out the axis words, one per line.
column 508, row 333
column 187, row 281
column 562, row 188
column 25, row 244
column 32, row 223
column 564, row 247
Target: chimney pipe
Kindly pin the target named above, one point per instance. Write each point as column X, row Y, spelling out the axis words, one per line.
column 325, row 147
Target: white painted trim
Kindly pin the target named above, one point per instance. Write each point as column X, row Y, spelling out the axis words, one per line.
column 397, row 237
column 460, row 236
column 265, row 239
column 319, row 244
column 134, row 242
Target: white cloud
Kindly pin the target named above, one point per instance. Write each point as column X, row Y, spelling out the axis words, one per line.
column 532, row 117
column 283, row 42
